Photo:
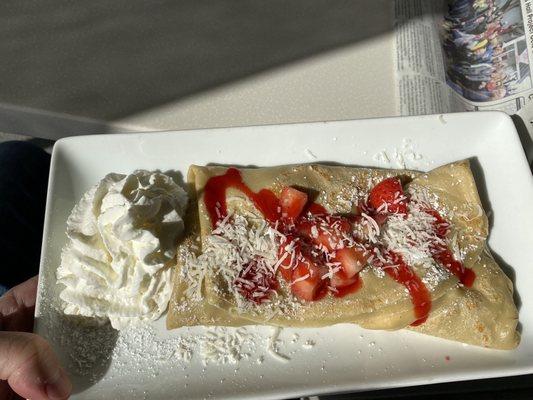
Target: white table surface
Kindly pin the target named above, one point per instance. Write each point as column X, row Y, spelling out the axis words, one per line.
column 333, row 62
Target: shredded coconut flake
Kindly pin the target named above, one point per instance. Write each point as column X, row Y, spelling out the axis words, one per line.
column 404, row 156
column 232, row 249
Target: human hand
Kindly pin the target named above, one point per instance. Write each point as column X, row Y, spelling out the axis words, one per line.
column 28, row 366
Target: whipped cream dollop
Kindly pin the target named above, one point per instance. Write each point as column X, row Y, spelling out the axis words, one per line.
column 122, row 238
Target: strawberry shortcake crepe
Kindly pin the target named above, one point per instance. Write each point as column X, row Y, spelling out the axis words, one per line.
column 316, row 245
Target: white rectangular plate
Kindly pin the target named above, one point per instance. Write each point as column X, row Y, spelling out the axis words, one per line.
column 106, row 365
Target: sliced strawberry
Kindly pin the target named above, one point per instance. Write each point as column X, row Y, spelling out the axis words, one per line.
column 352, row 287
column 339, row 279
column 285, row 269
column 303, row 227
column 292, row 202
column 290, row 252
column 327, row 232
column 352, row 260
column 390, row 192
column 339, row 224
column 315, row 209
column 307, row 283
column 314, row 232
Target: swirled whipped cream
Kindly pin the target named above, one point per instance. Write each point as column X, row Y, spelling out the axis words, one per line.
column 117, row 264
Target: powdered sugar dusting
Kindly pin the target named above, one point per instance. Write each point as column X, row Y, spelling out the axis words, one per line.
column 145, row 350
column 434, row 275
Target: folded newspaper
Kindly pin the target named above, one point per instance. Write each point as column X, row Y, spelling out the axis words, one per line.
column 464, row 55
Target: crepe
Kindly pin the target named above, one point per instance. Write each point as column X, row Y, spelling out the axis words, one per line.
column 483, row 314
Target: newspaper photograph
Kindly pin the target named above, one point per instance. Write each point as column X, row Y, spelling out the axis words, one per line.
column 464, row 55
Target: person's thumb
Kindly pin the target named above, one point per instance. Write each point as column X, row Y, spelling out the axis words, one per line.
column 29, row 365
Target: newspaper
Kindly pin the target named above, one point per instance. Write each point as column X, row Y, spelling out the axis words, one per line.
column 464, row 55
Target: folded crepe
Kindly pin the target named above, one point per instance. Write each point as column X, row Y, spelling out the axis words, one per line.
column 236, row 230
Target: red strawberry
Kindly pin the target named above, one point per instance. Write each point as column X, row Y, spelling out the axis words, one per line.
column 285, row 268
column 307, row 283
column 352, row 260
column 339, row 224
column 304, row 227
column 327, row 232
column 339, row 280
column 390, row 192
column 315, row 209
column 313, row 231
column 292, row 202
column 348, row 286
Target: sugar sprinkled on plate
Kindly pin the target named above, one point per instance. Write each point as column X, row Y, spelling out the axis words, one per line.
column 405, row 156
column 141, row 349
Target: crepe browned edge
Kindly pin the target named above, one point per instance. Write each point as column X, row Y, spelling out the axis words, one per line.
column 484, row 315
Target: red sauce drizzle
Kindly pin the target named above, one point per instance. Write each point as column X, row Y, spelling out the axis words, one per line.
column 256, row 284
column 215, row 197
column 348, row 289
column 443, row 255
column 420, row 296
column 268, row 204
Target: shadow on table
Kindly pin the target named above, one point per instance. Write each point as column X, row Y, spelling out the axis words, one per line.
column 525, row 138
column 107, row 60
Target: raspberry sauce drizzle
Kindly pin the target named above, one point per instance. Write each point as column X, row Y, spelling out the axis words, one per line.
column 443, row 255
column 404, row 275
column 269, row 205
column 256, row 284
column 215, row 197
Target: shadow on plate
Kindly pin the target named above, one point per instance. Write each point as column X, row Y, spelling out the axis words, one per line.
column 479, row 177
column 84, row 346
column 525, row 138
column 509, row 271
column 327, row 163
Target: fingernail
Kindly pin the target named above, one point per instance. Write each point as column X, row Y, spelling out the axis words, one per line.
column 60, row 389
